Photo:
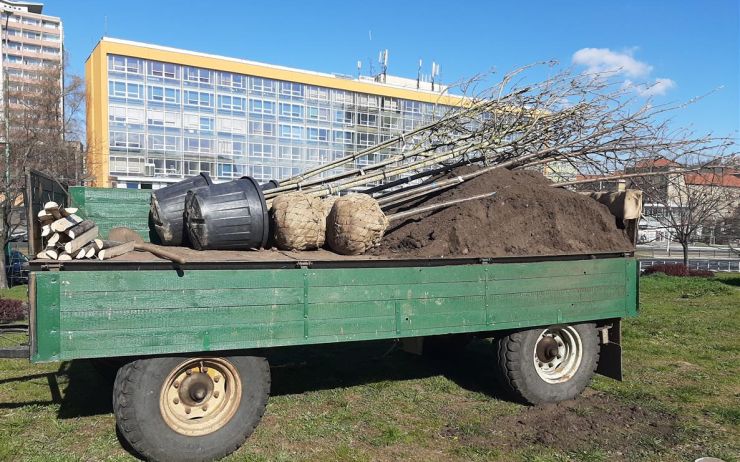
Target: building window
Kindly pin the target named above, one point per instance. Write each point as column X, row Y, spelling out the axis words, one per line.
column 229, row 147
column 343, row 97
column 125, row 64
column 291, row 89
column 291, row 110
column 166, row 70
column 344, row 117
column 169, row 143
column 126, row 90
column 227, row 79
column 290, row 153
column 51, row 25
column 262, row 85
column 126, row 115
column 33, row 35
column 413, row 107
column 198, row 98
column 195, row 122
column 318, row 93
column 261, row 151
column 259, row 127
column 158, row 118
column 163, row 94
column 199, row 145
column 126, row 140
column 294, row 132
column 232, row 103
column 317, row 113
column 47, row 36
column 317, row 134
column 367, row 120
column 258, row 106
column 195, row 74
column 230, row 125
column 343, row 137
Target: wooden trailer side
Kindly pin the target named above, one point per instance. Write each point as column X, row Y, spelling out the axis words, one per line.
column 87, row 314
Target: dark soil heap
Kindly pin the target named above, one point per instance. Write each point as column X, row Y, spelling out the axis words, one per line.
column 527, row 216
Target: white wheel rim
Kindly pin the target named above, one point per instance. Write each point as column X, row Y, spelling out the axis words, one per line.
column 558, row 353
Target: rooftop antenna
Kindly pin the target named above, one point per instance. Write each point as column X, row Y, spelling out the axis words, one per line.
column 418, row 75
column 383, row 61
column 435, row 72
column 359, row 68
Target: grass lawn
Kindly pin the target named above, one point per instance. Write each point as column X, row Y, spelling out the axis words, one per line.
column 15, row 293
column 363, row 402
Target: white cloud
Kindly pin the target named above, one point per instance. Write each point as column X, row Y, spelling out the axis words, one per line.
column 604, row 60
column 599, row 60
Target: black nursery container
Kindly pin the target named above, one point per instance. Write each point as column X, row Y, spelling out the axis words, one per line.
column 227, row 216
column 272, row 184
column 168, row 206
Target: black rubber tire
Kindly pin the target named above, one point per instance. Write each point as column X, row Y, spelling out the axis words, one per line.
column 136, row 393
column 518, row 375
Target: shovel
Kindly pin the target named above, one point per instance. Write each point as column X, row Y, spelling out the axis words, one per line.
column 123, row 234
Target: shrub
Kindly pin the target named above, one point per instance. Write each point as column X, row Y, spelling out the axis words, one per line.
column 677, row 269
column 12, row 310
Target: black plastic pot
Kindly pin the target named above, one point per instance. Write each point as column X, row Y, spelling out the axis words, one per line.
column 227, row 216
column 168, row 206
column 272, row 184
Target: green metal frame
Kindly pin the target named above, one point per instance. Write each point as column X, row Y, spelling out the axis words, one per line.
column 86, row 314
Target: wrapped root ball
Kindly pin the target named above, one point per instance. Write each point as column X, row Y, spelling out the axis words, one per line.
column 298, row 221
column 355, row 224
column 327, row 203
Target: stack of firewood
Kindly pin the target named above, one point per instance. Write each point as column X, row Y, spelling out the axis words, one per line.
column 66, row 236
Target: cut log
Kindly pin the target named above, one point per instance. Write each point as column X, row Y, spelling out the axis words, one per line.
column 106, row 244
column 56, row 238
column 63, row 224
column 44, row 216
column 53, row 209
column 45, row 230
column 111, row 252
column 80, row 228
column 98, row 243
column 68, row 211
column 81, row 241
column 52, row 253
column 87, row 251
column 42, row 255
column 64, row 256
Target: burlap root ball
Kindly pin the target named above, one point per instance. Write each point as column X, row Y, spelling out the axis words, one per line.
column 298, row 221
column 355, row 224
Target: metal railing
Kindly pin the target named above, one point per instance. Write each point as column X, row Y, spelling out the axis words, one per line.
column 724, row 266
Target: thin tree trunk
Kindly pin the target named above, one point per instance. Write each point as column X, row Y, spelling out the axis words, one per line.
column 685, row 246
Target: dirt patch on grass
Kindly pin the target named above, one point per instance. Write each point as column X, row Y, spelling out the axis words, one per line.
column 593, row 420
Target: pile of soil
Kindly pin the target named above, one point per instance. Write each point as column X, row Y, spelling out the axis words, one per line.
column 527, row 216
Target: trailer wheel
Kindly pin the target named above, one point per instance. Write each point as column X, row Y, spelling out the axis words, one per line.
column 190, row 409
column 550, row 364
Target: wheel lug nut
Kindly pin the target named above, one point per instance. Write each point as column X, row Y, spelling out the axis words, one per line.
column 217, row 378
column 215, row 394
column 176, row 401
column 188, row 372
column 205, row 408
column 187, row 410
column 176, row 384
column 549, row 364
column 558, row 356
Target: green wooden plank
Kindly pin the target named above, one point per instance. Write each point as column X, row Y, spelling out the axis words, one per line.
column 176, row 299
column 318, row 311
column 356, row 293
column 518, row 271
column 124, row 319
column 47, row 317
column 341, row 328
column 379, row 276
column 168, row 280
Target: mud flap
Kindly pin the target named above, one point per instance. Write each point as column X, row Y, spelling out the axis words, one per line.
column 610, row 354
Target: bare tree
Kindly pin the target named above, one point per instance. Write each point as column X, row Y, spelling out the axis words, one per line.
column 44, row 130
column 687, row 202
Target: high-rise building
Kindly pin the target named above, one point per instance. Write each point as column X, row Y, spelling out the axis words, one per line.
column 32, row 53
column 157, row 115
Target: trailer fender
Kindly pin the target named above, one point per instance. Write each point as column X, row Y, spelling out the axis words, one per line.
column 610, row 349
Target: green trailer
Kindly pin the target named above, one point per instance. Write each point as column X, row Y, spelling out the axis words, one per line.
column 191, row 339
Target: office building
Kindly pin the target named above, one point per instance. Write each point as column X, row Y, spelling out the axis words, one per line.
column 32, row 52
column 157, row 115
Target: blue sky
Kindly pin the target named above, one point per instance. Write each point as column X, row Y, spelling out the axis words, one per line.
column 688, row 48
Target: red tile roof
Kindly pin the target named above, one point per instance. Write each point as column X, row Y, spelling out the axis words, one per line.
column 729, row 179
column 659, row 162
